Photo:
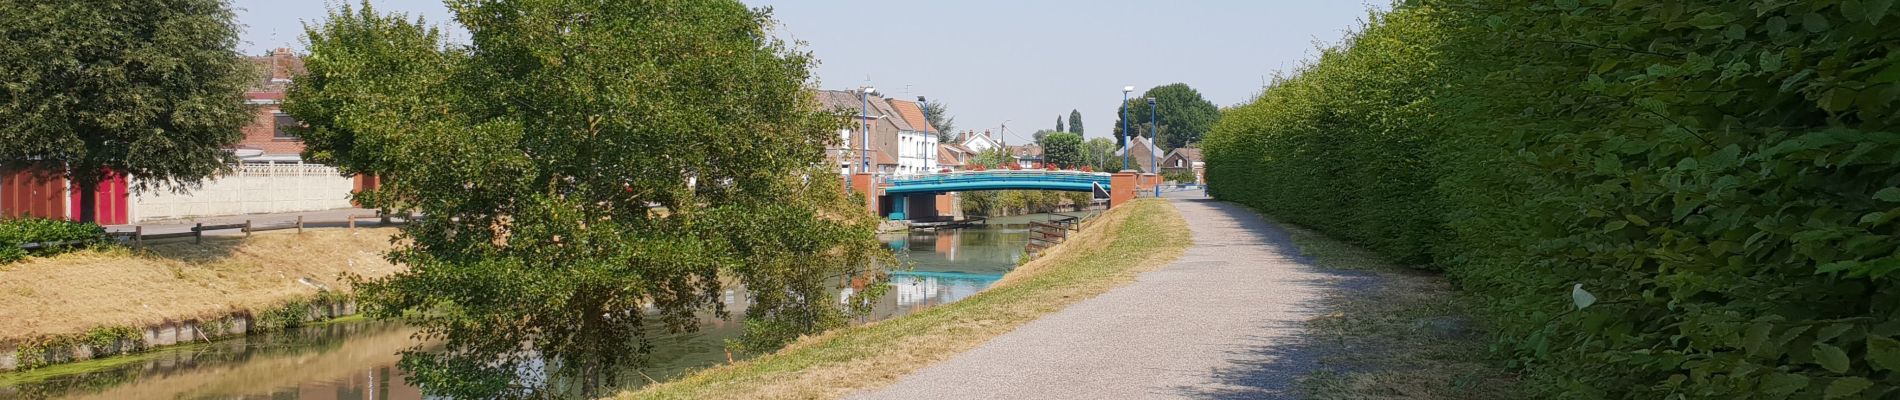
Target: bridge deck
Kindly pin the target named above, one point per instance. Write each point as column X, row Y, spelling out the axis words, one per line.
column 999, row 180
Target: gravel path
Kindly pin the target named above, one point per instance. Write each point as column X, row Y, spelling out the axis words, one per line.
column 1223, row 321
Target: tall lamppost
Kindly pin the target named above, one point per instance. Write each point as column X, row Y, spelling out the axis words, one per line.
column 1128, row 143
column 930, row 153
column 864, row 118
column 1153, row 130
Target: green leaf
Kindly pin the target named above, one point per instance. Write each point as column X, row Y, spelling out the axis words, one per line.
column 1830, row 357
column 1883, row 352
column 1889, row 75
column 1814, row 22
column 1847, row 386
column 1876, row 10
column 1581, row 298
column 1634, row 219
column 1891, row 194
column 1755, row 339
column 1782, row 383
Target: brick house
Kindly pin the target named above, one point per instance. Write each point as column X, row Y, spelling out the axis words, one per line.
column 265, row 139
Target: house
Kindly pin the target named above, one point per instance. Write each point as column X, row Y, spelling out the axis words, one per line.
column 266, row 140
column 884, row 126
column 917, row 146
column 1186, row 159
column 1143, row 155
column 953, row 156
column 1028, row 156
column 978, row 143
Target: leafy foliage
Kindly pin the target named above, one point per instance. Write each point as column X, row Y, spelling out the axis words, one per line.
column 367, row 69
column 1720, row 177
column 19, row 231
column 150, row 89
column 1075, row 122
column 1184, row 115
column 939, row 117
column 1063, row 149
column 593, row 173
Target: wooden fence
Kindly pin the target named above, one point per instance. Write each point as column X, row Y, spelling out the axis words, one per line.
column 1044, row 235
column 137, row 237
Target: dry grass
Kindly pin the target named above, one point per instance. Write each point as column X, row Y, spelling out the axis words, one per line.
column 1105, row 254
column 74, row 292
column 1410, row 336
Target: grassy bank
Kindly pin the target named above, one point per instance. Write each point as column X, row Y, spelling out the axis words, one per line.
column 1407, row 336
column 72, row 293
column 1107, row 253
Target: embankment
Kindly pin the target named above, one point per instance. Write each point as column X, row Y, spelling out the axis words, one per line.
column 96, row 303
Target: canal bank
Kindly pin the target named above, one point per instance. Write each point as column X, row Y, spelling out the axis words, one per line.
column 938, row 267
column 1105, row 253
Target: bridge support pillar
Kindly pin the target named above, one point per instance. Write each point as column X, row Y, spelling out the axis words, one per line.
column 899, row 204
column 865, row 183
column 1121, row 187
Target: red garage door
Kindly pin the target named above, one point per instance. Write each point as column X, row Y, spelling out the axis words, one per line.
column 32, row 192
column 112, row 203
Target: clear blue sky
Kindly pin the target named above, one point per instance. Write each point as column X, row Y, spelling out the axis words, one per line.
column 993, row 61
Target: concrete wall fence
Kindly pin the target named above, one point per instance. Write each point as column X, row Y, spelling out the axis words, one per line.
column 251, row 189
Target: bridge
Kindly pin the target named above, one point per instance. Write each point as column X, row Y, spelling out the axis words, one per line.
column 900, row 190
column 1073, row 181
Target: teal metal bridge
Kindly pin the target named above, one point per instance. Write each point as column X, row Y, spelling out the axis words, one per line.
column 1074, row 181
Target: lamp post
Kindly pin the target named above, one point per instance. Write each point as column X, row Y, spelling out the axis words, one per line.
column 1128, row 143
column 932, row 152
column 864, row 118
column 1154, row 130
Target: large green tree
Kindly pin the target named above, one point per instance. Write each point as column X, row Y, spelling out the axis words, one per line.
column 1063, row 149
column 1184, row 115
column 152, row 90
column 1100, row 153
column 603, row 172
column 939, row 117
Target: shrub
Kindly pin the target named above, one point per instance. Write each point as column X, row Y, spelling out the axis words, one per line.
column 15, row 233
column 1722, row 176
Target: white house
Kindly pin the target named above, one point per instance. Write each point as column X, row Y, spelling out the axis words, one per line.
column 917, row 146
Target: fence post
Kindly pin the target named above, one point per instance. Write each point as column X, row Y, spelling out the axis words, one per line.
column 247, row 228
column 352, row 219
column 138, row 237
column 198, row 233
column 300, row 224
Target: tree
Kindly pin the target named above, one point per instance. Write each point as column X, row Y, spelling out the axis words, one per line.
column 1184, row 115
column 373, row 68
column 1075, row 121
column 1063, row 149
column 1100, row 153
column 149, row 90
column 1040, row 134
column 566, row 124
column 939, row 117
column 1059, row 127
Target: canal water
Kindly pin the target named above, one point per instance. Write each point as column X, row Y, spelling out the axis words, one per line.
column 357, row 360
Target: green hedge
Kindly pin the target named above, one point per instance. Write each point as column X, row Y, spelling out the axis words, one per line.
column 1722, row 176
column 16, row 232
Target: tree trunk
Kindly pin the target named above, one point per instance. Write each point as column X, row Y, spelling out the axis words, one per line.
column 88, row 201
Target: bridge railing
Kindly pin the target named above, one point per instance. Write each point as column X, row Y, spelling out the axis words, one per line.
column 987, row 176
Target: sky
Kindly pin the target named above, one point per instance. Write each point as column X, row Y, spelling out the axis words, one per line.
column 997, row 63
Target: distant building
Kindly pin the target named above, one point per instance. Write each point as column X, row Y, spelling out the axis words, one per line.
column 917, row 146
column 1186, row 159
column 266, row 140
column 884, row 127
column 1028, row 156
column 1141, row 154
column 953, row 156
column 978, row 143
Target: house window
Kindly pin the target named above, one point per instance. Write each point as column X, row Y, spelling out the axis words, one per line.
column 282, row 122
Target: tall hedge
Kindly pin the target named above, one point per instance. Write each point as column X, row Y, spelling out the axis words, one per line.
column 1721, row 176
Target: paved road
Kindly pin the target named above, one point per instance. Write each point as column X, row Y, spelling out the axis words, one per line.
column 1223, row 321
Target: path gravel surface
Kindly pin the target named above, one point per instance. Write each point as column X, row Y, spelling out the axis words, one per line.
column 1223, row 321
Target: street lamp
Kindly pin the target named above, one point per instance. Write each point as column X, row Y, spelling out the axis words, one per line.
column 864, row 118
column 932, row 151
column 1154, row 130
column 1128, row 143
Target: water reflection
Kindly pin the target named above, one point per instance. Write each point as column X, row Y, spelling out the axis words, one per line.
column 358, row 360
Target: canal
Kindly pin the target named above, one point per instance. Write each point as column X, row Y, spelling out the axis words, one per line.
column 358, row 360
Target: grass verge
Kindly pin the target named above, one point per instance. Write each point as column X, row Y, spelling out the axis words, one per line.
column 74, row 292
column 1409, row 336
column 1106, row 253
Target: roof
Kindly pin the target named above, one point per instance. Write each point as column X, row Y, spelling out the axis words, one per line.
column 948, row 157
column 1192, row 154
column 913, row 114
column 1144, row 160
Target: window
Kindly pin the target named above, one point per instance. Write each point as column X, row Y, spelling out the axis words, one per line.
column 282, row 121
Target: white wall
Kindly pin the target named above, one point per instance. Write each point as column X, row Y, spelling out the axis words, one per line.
column 251, row 189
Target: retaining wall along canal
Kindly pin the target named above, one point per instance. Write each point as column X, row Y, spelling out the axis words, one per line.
column 110, row 341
